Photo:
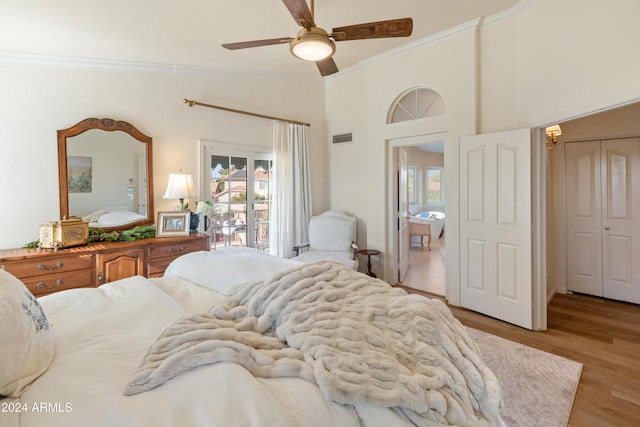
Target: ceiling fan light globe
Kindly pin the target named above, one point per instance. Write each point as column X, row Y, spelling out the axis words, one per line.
column 312, row 45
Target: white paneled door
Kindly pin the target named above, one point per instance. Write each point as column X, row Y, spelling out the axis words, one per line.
column 602, row 197
column 495, row 225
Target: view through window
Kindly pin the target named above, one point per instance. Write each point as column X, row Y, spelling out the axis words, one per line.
column 241, row 193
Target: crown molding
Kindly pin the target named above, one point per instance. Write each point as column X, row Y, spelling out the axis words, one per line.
column 97, row 64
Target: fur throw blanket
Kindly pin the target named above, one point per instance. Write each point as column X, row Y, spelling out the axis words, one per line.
column 356, row 337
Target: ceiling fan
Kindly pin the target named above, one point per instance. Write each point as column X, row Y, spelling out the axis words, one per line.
column 315, row 44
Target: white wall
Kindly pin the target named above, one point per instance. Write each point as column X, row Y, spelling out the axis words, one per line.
column 37, row 100
column 362, row 97
column 541, row 62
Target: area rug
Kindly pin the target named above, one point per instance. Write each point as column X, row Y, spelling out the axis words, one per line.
column 538, row 388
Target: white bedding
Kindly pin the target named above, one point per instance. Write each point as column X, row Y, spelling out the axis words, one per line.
column 228, row 266
column 102, row 335
column 354, row 336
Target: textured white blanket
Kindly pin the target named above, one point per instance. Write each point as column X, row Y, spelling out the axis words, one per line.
column 357, row 338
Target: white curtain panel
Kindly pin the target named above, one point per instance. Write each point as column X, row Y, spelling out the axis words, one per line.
column 291, row 210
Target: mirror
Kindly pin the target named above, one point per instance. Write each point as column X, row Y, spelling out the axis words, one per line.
column 105, row 174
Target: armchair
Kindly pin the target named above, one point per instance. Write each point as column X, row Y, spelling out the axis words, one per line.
column 332, row 236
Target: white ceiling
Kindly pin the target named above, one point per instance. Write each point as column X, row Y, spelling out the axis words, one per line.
column 190, row 32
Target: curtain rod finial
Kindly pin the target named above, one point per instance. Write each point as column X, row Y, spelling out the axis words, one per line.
column 188, row 101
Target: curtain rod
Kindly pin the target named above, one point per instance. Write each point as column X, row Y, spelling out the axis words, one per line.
column 191, row 103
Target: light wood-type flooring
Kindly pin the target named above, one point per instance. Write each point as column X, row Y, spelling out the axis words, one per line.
column 602, row 334
column 426, row 268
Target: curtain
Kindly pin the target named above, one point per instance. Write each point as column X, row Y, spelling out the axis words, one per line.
column 291, row 209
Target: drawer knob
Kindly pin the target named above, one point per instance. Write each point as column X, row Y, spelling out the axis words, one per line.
column 43, row 285
column 59, row 264
column 174, row 250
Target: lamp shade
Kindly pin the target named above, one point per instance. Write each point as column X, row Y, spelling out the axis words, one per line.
column 180, row 186
column 554, row 130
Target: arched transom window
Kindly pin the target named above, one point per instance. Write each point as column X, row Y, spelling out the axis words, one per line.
column 417, row 103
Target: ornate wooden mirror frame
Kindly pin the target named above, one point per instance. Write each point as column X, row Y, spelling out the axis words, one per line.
column 108, row 125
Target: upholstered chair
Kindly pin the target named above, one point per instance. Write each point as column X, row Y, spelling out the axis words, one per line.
column 332, row 236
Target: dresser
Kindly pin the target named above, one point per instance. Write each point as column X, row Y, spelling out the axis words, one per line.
column 46, row 271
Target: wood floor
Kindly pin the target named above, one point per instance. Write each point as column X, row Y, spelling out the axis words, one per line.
column 426, row 268
column 602, row 334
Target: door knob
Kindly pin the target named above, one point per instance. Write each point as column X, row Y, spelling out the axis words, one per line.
column 606, row 227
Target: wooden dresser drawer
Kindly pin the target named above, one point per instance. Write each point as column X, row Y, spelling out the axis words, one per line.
column 47, row 265
column 54, row 282
column 174, row 249
column 45, row 272
column 157, row 267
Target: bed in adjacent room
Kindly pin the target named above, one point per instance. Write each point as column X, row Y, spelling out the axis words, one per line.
column 418, row 222
column 238, row 337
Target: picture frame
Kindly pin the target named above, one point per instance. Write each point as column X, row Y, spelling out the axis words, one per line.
column 173, row 224
column 79, row 174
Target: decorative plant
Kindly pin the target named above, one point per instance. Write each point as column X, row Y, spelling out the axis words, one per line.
column 99, row 235
column 204, row 208
column 136, row 233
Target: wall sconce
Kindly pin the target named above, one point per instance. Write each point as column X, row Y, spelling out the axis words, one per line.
column 552, row 136
column 180, row 187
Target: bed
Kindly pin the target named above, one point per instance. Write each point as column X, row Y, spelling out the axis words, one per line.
column 434, row 219
column 109, row 356
column 112, row 217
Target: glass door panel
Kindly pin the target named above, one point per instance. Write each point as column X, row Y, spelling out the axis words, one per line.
column 263, row 170
column 241, row 199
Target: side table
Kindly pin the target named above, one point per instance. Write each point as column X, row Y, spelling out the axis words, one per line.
column 368, row 253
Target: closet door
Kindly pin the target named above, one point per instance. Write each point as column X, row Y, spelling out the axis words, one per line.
column 620, row 160
column 603, row 228
column 584, row 218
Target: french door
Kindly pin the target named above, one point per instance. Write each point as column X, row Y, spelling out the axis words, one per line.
column 239, row 184
column 602, row 198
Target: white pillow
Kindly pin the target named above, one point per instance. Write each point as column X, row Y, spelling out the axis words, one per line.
column 26, row 339
column 222, row 269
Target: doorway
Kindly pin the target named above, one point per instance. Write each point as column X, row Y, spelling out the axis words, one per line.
column 583, row 256
column 425, row 195
column 238, row 183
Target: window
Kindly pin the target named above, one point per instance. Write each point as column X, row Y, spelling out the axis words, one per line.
column 435, row 186
column 413, row 184
column 415, row 104
column 240, row 187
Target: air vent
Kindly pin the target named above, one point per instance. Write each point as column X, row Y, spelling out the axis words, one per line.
column 345, row 137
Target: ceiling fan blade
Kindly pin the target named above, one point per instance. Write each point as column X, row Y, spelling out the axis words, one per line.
column 327, row 66
column 256, row 43
column 300, row 11
column 373, row 30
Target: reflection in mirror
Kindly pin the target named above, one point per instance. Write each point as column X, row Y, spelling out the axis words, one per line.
column 105, row 174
